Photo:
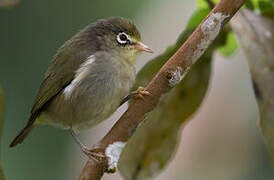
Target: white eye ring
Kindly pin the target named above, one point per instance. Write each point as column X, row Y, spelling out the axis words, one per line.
column 123, row 38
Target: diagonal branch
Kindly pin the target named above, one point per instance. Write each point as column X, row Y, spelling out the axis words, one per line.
column 169, row 75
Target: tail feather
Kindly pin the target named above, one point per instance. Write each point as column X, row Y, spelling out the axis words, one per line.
column 22, row 135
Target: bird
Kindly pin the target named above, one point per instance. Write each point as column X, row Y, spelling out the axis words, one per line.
column 89, row 77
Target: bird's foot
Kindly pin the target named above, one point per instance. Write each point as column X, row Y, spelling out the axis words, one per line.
column 140, row 93
column 93, row 153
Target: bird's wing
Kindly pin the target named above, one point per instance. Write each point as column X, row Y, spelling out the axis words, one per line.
column 60, row 73
column 58, row 76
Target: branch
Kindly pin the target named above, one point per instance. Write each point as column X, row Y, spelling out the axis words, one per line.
column 169, row 75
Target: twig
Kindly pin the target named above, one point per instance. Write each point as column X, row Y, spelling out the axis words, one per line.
column 169, row 75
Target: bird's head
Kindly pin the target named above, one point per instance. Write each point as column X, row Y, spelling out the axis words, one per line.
column 120, row 36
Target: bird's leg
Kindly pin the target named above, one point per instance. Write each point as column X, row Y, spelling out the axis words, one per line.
column 75, row 137
column 84, row 148
column 138, row 94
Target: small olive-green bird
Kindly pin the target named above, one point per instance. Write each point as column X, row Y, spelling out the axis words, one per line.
column 88, row 78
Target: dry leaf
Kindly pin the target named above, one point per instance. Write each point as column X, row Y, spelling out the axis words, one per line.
column 256, row 36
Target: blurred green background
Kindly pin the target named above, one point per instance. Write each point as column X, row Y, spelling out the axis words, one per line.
column 221, row 142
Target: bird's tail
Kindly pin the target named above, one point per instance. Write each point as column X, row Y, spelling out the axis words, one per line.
column 22, row 135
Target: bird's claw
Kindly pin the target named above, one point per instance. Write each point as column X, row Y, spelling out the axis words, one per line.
column 138, row 94
column 141, row 92
column 92, row 154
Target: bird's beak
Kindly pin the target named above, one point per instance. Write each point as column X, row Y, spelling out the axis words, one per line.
column 142, row 47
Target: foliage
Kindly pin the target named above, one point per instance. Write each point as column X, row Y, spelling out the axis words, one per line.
column 155, row 141
column 253, row 34
column 230, row 46
column 263, row 7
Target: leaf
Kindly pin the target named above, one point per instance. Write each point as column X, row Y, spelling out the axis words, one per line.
column 155, row 141
column 230, row 46
column 263, row 7
column 266, row 8
column 1, row 125
column 249, row 5
column 204, row 3
column 255, row 34
column 197, row 17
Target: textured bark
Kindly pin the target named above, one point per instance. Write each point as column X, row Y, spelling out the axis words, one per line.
column 93, row 170
column 169, row 75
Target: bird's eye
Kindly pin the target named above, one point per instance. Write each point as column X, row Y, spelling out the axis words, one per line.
column 123, row 38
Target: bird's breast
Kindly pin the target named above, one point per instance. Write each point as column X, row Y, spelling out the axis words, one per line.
column 94, row 94
column 99, row 97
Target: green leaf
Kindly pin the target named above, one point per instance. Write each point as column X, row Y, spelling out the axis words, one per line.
column 202, row 4
column 262, row 7
column 155, row 140
column 230, row 46
column 266, row 8
column 197, row 17
column 249, row 5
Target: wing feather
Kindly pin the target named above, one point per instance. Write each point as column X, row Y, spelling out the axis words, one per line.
column 59, row 75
